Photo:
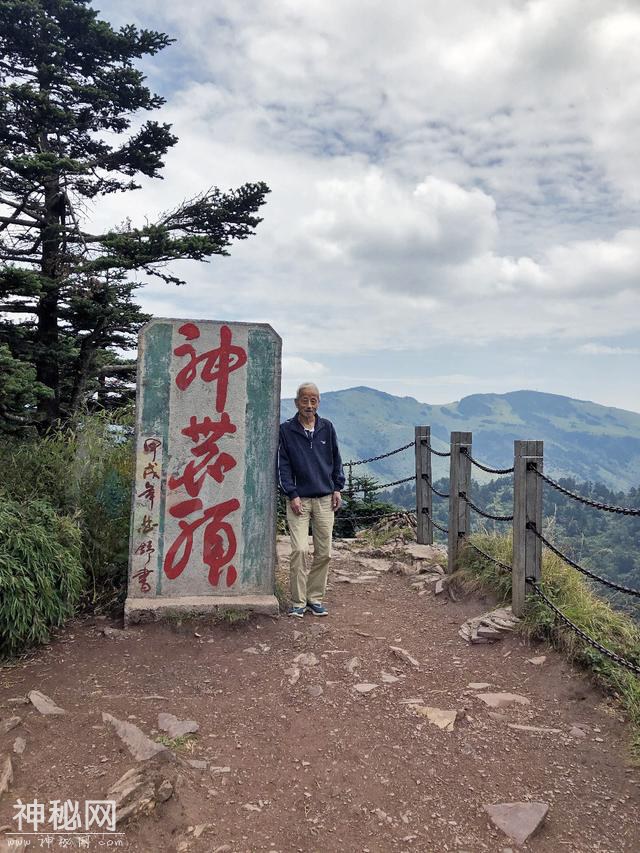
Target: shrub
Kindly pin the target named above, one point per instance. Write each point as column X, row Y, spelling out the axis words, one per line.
column 85, row 472
column 41, row 574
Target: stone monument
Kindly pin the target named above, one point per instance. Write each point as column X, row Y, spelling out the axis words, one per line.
column 203, row 519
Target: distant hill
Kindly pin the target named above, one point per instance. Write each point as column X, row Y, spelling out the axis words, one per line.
column 581, row 439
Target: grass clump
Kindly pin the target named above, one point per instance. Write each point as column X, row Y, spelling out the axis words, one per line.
column 182, row 742
column 41, row 574
column 578, row 601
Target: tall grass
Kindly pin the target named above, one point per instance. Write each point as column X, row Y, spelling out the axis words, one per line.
column 41, row 574
column 576, row 598
column 83, row 472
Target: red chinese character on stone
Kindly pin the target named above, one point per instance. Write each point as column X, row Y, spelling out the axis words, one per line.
column 151, row 471
column 147, row 525
column 151, row 445
column 217, row 363
column 219, row 540
column 142, row 576
column 149, row 493
column 207, row 450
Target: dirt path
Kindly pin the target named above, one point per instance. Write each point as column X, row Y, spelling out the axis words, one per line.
column 315, row 765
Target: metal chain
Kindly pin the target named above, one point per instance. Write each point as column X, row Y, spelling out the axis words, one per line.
column 485, row 467
column 433, row 488
column 621, row 510
column 482, row 512
column 426, row 444
column 596, row 645
column 618, row 587
column 489, row 557
column 435, row 523
column 387, row 485
column 382, row 455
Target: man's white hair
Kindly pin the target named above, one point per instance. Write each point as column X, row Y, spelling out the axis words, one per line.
column 307, row 386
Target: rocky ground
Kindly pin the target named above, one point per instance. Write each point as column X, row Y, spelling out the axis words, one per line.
column 380, row 728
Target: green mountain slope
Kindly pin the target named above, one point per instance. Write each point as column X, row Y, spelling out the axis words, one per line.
column 582, row 440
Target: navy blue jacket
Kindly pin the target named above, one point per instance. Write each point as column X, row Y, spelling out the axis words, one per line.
column 309, row 468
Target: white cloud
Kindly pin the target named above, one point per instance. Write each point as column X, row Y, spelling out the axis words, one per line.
column 440, row 172
column 603, row 349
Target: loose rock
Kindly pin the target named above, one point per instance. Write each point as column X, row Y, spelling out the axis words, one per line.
column 518, row 820
column 138, row 744
column 365, row 687
column 6, row 774
column 294, row 674
column 175, row 727
column 404, row 655
column 502, row 700
column 19, row 745
column 45, row 705
column 138, row 792
column 8, row 724
column 437, row 716
column 308, row 659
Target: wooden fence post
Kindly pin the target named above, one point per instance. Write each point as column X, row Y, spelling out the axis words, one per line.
column 527, row 509
column 423, row 492
column 459, row 481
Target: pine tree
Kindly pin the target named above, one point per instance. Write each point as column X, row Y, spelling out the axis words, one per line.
column 69, row 90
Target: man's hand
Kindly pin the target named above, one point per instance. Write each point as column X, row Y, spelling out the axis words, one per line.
column 296, row 506
column 336, row 501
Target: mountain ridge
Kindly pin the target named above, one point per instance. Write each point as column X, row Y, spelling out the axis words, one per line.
column 583, row 439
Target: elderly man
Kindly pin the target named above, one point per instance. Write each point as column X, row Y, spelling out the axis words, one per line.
column 311, row 476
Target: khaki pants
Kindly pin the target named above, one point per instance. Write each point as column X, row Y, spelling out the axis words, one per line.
column 309, row 584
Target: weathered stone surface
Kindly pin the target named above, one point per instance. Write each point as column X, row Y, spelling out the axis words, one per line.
column 543, row 730
column 294, row 674
column 439, row 717
column 230, row 373
column 197, row 763
column 405, row 569
column 518, row 820
column 352, row 664
column 502, row 700
column 577, row 733
column 440, row 585
column 138, row 792
column 404, row 655
column 6, row 774
column 19, row 745
column 8, row 724
column 306, row 659
column 424, row 552
column 175, row 727
column 139, row 745
column 45, row 705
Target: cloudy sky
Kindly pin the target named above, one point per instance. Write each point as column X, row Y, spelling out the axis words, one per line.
column 455, row 186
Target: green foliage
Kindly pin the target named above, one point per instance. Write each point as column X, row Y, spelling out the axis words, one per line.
column 19, row 391
column 69, row 94
column 85, row 473
column 182, row 742
column 41, row 575
column 361, row 506
column 573, row 596
column 606, row 543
